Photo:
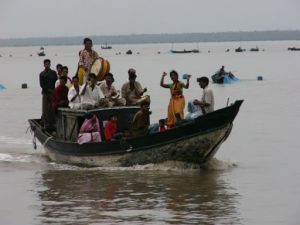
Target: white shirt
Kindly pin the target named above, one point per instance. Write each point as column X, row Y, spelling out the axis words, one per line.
column 208, row 97
column 106, row 91
column 91, row 96
column 75, row 104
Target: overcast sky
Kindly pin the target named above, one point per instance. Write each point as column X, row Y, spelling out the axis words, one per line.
column 52, row 18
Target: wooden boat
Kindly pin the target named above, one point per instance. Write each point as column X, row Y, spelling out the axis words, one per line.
column 240, row 49
column 181, row 52
column 41, row 53
column 195, row 141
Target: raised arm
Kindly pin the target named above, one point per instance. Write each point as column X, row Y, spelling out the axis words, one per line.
column 162, row 81
column 187, row 82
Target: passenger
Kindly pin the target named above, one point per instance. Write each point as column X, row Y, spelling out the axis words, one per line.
column 162, row 125
column 86, row 57
column 222, row 71
column 90, row 130
column 197, row 107
column 91, row 94
column 140, row 122
column 64, row 72
column 73, row 95
column 111, row 128
column 177, row 101
column 110, row 92
column 132, row 90
column 58, row 70
column 47, row 79
column 60, row 94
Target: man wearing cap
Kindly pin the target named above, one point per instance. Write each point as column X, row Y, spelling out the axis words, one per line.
column 110, row 92
column 205, row 105
column 132, row 90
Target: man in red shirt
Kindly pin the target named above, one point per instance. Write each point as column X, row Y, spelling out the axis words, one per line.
column 110, row 127
column 60, row 94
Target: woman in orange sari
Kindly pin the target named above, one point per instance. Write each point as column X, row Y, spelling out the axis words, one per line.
column 177, row 101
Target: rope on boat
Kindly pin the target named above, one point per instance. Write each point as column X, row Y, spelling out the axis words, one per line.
column 44, row 144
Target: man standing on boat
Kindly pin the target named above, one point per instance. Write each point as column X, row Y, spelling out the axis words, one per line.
column 132, row 90
column 205, row 105
column 86, row 57
column 48, row 78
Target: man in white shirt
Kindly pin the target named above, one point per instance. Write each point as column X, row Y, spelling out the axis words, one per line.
column 73, row 95
column 110, row 92
column 205, row 105
column 91, row 94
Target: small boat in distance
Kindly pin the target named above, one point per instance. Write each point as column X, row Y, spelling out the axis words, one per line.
column 41, row 52
column 106, row 46
column 293, row 49
column 254, row 49
column 192, row 141
column 240, row 49
column 129, row 52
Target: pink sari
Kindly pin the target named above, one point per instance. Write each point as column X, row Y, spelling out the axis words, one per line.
column 89, row 131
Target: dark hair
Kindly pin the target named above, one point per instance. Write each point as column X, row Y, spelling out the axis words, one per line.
column 174, row 72
column 59, row 65
column 47, row 61
column 87, row 40
column 92, row 75
column 110, row 75
column 65, row 68
column 162, row 121
column 145, row 103
column 203, row 79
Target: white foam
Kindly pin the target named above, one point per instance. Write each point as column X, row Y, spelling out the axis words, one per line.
column 4, row 157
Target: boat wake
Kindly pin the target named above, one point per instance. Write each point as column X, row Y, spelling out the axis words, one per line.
column 169, row 166
column 24, row 158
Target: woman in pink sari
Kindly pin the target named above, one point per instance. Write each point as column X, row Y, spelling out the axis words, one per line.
column 90, row 130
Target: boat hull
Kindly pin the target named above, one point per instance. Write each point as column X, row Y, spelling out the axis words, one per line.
column 196, row 142
column 196, row 150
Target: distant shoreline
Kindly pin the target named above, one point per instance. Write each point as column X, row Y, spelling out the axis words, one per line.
column 274, row 35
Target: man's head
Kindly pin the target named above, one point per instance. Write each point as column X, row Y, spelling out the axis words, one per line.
column 47, row 64
column 88, row 43
column 109, row 78
column 113, row 118
column 131, row 75
column 75, row 81
column 58, row 69
column 145, row 106
column 174, row 76
column 92, row 79
column 203, row 81
column 64, row 71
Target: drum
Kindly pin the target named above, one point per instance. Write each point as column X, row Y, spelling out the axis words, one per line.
column 100, row 67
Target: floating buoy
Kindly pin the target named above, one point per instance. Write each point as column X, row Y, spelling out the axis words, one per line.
column 24, row 86
column 259, row 78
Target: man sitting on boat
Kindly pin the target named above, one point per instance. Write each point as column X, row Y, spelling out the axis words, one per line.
column 110, row 92
column 197, row 107
column 91, row 96
column 74, row 94
column 132, row 90
column 60, row 94
column 177, row 101
column 140, row 123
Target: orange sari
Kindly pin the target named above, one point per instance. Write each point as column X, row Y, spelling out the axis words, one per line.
column 177, row 103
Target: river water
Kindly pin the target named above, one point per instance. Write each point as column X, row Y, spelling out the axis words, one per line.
column 253, row 179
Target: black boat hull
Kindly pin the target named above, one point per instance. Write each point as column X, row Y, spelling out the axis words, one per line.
column 195, row 142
